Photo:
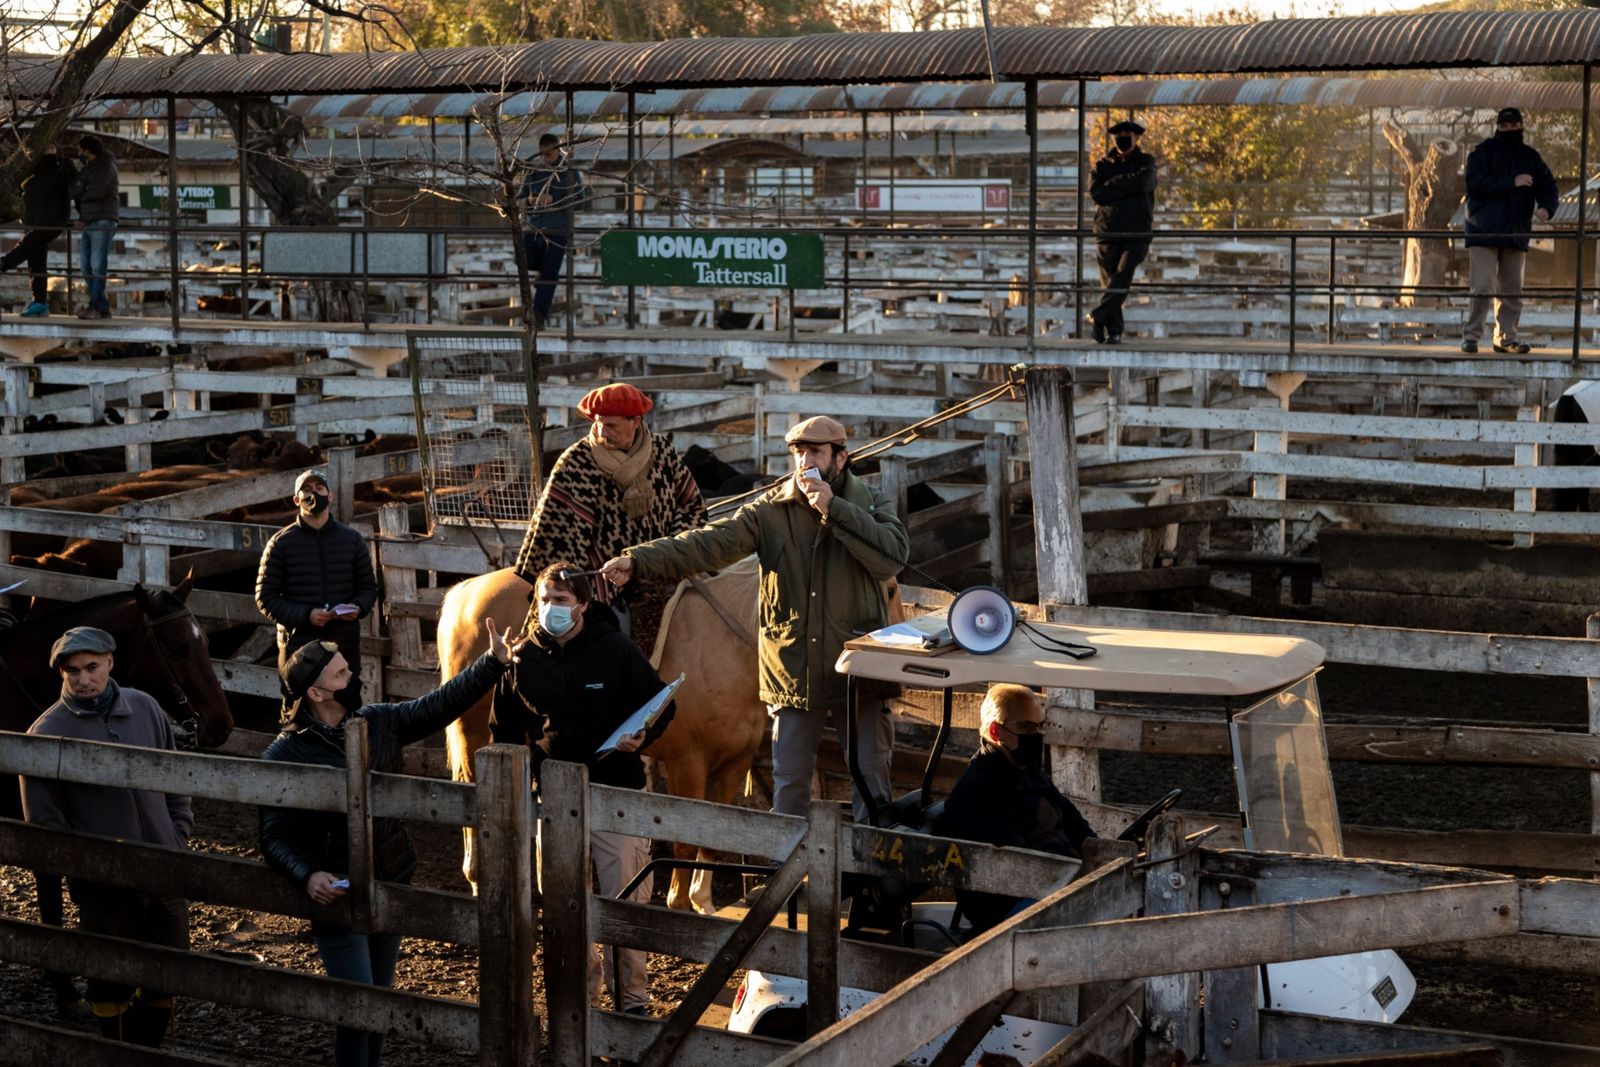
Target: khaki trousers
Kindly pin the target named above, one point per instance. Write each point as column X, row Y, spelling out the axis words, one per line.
column 617, row 858
column 1496, row 274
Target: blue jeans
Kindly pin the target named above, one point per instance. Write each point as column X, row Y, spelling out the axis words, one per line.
column 545, row 251
column 367, row 958
column 96, row 255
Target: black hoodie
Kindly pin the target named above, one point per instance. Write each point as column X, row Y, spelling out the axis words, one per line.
column 570, row 698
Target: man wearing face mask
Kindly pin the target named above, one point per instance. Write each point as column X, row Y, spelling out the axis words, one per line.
column 826, row 543
column 316, row 582
column 1005, row 796
column 1123, row 187
column 575, row 682
column 1508, row 187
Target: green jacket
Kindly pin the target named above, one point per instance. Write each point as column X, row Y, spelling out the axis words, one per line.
column 818, row 586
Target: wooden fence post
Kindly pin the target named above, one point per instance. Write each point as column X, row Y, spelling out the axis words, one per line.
column 358, row 823
column 1526, row 457
column 564, row 897
column 342, row 472
column 399, row 587
column 1269, row 533
column 136, row 457
column 895, row 475
column 822, row 917
column 508, row 1031
column 1058, row 543
column 1171, row 1002
column 13, row 469
column 1233, row 1027
column 1592, row 631
column 997, row 491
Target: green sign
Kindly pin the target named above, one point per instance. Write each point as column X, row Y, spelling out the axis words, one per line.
column 739, row 259
column 190, row 197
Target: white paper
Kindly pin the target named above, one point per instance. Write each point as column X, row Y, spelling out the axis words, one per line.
column 642, row 719
column 920, row 632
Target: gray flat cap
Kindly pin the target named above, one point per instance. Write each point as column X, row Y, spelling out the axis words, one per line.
column 80, row 639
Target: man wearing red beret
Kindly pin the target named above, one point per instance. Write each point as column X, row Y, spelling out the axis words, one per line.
column 620, row 485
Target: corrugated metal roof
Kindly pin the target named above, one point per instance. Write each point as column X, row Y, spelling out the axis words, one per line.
column 1428, row 41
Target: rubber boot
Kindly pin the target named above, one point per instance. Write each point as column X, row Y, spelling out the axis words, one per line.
column 147, row 1021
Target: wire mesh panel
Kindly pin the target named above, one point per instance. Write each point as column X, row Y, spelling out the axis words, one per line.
column 472, row 390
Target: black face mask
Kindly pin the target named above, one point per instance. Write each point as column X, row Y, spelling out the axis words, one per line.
column 1030, row 751
column 1124, row 143
column 1509, row 136
column 319, row 504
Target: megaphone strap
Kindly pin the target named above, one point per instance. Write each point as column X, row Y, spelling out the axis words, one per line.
column 1055, row 644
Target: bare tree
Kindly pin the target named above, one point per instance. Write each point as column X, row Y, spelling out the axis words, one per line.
column 1434, row 186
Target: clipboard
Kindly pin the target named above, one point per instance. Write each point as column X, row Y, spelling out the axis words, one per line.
column 925, row 635
column 642, row 719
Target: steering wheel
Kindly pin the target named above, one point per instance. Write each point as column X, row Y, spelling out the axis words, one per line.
column 1136, row 829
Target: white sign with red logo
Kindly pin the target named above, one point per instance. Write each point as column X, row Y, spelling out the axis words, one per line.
column 978, row 196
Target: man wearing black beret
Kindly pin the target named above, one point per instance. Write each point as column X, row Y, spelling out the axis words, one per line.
column 1123, row 188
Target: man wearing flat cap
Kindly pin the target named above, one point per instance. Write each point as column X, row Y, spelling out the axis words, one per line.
column 826, row 543
column 1123, row 188
column 1508, row 187
column 311, row 848
column 92, row 707
column 620, row 485
column 316, row 582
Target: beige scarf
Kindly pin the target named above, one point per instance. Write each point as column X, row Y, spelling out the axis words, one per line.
column 630, row 469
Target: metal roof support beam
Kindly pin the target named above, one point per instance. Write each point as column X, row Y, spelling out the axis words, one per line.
column 174, row 302
column 627, row 188
column 1583, row 217
column 1083, row 170
column 1031, row 121
column 572, row 232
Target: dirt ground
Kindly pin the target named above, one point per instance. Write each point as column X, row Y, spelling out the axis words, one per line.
column 1451, row 996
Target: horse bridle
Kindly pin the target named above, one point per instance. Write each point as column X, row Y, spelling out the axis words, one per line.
column 186, row 724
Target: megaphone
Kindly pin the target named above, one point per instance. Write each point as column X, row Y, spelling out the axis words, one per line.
column 982, row 619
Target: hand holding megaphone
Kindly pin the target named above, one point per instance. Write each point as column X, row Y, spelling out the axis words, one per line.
column 817, row 491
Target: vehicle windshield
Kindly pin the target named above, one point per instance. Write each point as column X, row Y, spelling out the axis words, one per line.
column 1280, row 760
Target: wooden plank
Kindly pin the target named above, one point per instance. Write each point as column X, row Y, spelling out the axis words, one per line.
column 1278, row 877
column 333, row 1001
column 1232, row 1028
column 508, row 1031
column 823, row 915
column 1287, row 1035
column 916, row 1011
column 1480, row 520
column 1273, row 419
column 1523, row 952
column 1171, row 998
column 358, row 823
column 564, row 829
column 31, row 1042
column 624, row 1038
column 187, row 773
column 1477, row 1055
column 232, row 608
column 780, row 885
column 694, row 822
column 1107, row 1032
column 424, row 799
column 955, row 864
column 1375, row 646
column 1266, row 933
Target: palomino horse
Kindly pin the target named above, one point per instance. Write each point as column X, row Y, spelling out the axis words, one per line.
column 706, row 751
column 161, row 650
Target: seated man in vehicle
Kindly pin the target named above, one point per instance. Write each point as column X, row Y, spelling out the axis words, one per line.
column 1004, row 797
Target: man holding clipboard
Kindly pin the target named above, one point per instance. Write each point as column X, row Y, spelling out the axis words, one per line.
column 584, row 693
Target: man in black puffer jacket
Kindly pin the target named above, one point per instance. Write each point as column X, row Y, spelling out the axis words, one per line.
column 46, row 211
column 310, row 847
column 577, row 680
column 1123, row 187
column 316, row 583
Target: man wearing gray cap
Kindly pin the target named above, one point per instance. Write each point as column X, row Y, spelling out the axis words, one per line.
column 826, row 543
column 95, row 708
column 316, row 582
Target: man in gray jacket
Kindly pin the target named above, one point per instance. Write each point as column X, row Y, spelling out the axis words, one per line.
column 551, row 191
column 95, row 190
column 94, row 708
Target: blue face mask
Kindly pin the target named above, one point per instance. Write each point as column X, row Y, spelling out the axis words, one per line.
column 556, row 619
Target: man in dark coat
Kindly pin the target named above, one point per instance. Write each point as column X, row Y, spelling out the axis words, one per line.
column 1123, row 187
column 577, row 681
column 311, row 848
column 551, row 191
column 1004, row 797
column 1508, row 187
column 316, row 582
column 95, row 190
column 46, row 211
column 94, row 708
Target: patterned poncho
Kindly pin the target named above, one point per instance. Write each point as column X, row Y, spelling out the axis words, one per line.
column 581, row 518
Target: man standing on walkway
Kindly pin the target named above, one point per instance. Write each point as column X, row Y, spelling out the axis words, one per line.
column 94, row 708
column 95, row 190
column 316, row 583
column 552, row 190
column 1508, row 187
column 827, row 543
column 46, row 211
column 1123, row 188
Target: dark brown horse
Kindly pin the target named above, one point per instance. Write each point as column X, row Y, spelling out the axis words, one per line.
column 161, row 650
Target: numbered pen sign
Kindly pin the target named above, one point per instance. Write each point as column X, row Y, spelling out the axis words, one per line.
column 732, row 260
